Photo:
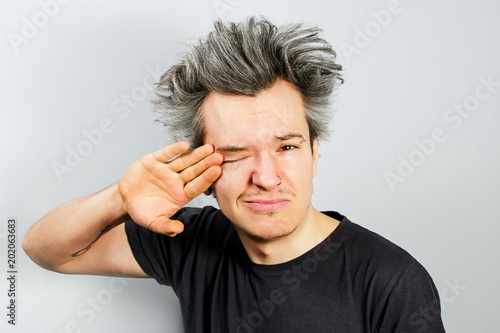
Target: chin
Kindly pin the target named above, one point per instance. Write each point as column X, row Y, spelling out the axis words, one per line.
column 266, row 233
column 266, row 238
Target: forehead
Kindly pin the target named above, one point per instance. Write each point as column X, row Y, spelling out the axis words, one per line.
column 237, row 119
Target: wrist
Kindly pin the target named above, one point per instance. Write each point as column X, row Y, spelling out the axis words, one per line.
column 117, row 206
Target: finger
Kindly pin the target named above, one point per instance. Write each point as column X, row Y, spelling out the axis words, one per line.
column 200, row 184
column 186, row 160
column 197, row 169
column 167, row 227
column 167, row 153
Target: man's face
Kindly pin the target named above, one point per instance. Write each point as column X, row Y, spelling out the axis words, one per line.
column 266, row 183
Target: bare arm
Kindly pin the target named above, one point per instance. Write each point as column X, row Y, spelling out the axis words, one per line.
column 87, row 235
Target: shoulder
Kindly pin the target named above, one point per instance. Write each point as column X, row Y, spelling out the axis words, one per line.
column 399, row 287
column 206, row 233
column 393, row 277
column 366, row 243
column 371, row 254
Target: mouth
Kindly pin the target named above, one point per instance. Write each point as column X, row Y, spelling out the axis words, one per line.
column 273, row 205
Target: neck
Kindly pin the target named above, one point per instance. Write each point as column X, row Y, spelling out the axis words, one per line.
column 309, row 233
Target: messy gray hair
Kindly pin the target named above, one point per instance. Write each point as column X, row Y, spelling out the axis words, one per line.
column 244, row 59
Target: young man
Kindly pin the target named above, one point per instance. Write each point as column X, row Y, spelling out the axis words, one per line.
column 253, row 100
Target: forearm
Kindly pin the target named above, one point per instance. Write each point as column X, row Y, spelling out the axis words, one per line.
column 69, row 230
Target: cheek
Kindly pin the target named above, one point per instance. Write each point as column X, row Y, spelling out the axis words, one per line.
column 299, row 175
column 228, row 184
column 298, row 165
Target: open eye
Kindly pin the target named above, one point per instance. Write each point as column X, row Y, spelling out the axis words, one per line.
column 288, row 147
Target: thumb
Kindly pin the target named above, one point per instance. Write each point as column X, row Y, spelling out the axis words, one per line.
column 166, row 226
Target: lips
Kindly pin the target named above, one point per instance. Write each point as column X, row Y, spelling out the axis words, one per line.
column 267, row 205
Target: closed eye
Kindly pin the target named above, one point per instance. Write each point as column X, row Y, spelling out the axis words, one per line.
column 232, row 161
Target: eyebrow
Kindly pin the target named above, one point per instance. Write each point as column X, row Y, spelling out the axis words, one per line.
column 291, row 136
column 236, row 149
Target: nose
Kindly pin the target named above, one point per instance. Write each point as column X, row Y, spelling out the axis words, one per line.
column 265, row 173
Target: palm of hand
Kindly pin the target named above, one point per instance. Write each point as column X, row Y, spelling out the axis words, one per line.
column 153, row 190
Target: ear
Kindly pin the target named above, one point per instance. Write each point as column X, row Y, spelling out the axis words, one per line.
column 315, row 157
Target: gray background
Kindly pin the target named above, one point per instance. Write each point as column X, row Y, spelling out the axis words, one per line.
column 401, row 82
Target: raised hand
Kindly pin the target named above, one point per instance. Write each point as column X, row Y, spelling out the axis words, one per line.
column 158, row 184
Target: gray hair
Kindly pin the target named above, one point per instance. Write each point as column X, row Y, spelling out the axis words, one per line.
column 244, row 59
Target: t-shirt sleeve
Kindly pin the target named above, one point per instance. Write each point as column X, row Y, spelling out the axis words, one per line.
column 166, row 258
column 141, row 242
column 413, row 304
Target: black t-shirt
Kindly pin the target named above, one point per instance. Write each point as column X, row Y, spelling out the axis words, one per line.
column 353, row 281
